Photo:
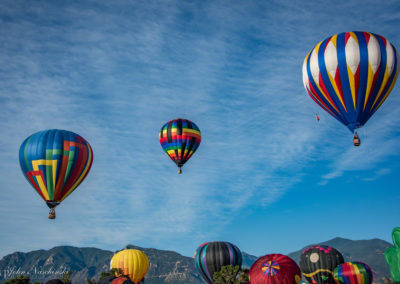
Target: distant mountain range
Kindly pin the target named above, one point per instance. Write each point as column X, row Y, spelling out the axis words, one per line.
column 165, row 266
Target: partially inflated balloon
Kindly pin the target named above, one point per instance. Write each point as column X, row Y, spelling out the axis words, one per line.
column 353, row 273
column 210, row 257
column 275, row 269
column 180, row 138
column 121, row 280
column 350, row 75
column 318, row 262
column 132, row 262
column 54, row 281
column 55, row 162
column 107, row 279
column 392, row 255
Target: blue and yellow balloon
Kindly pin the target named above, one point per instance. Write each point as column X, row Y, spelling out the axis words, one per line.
column 55, row 162
column 350, row 75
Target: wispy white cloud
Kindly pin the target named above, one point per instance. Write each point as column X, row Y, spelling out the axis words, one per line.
column 114, row 73
column 378, row 174
column 379, row 140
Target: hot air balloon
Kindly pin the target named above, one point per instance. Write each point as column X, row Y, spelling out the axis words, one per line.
column 107, row 279
column 55, row 162
column 198, row 249
column 210, row 257
column 353, row 273
column 350, row 75
column 392, row 255
column 122, row 280
column 275, row 269
column 318, row 262
column 54, row 281
column 132, row 262
column 180, row 138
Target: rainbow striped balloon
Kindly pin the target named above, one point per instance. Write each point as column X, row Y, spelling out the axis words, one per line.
column 353, row 273
column 350, row 75
column 55, row 162
column 180, row 138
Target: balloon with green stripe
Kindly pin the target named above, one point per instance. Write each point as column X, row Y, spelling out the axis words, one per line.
column 55, row 162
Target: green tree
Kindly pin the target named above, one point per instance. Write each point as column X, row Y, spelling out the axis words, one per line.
column 243, row 277
column 231, row 275
column 112, row 272
column 21, row 279
column 90, row 281
column 66, row 278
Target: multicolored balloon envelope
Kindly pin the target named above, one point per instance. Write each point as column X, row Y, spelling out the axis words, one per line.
column 55, row 162
column 350, row 75
column 210, row 257
column 353, row 273
column 132, row 262
column 318, row 262
column 198, row 249
column 180, row 138
column 275, row 269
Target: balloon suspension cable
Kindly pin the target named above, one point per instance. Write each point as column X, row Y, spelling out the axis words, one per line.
column 52, row 213
column 180, row 170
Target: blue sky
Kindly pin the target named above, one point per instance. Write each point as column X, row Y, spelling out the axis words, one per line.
column 266, row 176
